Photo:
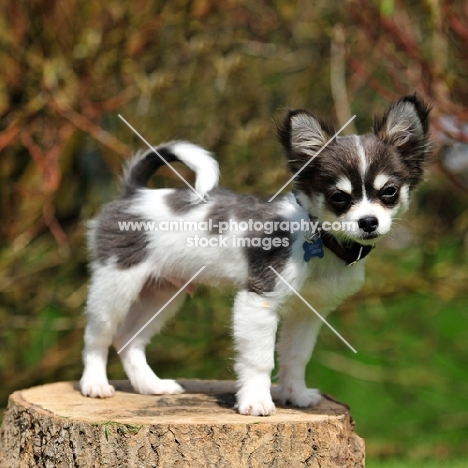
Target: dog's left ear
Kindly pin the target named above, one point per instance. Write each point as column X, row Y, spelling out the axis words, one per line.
column 405, row 126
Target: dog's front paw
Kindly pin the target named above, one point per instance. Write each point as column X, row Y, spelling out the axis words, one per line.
column 96, row 389
column 255, row 403
column 156, row 386
column 301, row 398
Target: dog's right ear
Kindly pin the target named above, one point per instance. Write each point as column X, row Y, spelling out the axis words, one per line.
column 302, row 134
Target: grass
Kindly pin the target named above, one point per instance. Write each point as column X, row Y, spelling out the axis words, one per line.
column 408, row 384
column 399, row 463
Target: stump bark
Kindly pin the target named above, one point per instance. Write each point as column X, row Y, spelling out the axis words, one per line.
column 54, row 426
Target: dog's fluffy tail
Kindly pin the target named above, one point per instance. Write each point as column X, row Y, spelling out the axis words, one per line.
column 143, row 165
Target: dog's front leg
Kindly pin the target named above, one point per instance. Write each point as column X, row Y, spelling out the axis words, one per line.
column 297, row 339
column 255, row 324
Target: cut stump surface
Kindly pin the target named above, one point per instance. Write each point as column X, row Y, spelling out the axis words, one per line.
column 54, row 426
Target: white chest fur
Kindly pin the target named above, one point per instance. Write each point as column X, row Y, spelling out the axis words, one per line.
column 329, row 282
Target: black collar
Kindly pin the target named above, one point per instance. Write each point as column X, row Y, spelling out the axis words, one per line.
column 351, row 253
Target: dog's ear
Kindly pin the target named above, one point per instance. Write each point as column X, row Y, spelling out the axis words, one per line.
column 405, row 126
column 302, row 134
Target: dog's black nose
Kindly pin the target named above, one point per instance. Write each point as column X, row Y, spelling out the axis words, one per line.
column 368, row 224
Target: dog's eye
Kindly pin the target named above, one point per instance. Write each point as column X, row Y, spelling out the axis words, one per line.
column 389, row 195
column 340, row 198
column 389, row 192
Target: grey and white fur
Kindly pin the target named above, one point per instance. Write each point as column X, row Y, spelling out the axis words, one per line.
column 363, row 181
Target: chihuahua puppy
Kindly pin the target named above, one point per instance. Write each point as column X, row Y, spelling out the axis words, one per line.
column 144, row 256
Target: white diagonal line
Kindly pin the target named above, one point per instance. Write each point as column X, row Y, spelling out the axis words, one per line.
column 167, row 164
column 313, row 157
column 161, row 309
column 312, row 309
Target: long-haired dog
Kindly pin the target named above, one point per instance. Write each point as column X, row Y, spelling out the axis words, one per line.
column 361, row 182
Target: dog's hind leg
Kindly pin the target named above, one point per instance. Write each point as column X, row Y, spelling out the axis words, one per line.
column 111, row 294
column 146, row 318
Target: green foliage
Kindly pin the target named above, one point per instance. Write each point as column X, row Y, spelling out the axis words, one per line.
column 400, row 463
column 387, row 7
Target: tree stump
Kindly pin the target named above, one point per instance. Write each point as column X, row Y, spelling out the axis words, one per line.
column 54, row 426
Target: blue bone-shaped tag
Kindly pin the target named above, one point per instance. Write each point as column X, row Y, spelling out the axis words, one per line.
column 313, row 249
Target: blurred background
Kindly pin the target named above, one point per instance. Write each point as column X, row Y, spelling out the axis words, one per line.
column 218, row 74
